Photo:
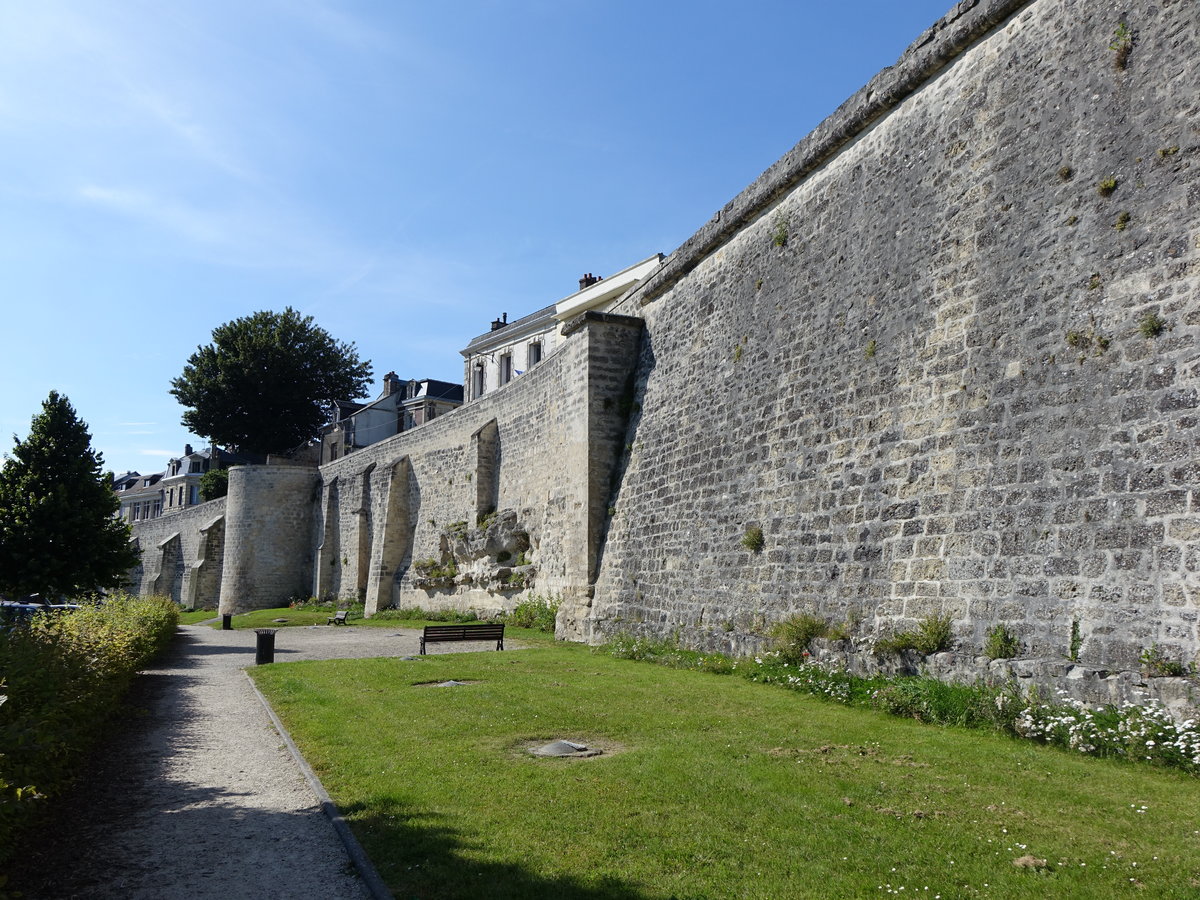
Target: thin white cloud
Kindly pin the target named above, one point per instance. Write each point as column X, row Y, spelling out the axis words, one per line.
column 180, row 121
column 135, row 204
column 166, row 454
column 135, row 424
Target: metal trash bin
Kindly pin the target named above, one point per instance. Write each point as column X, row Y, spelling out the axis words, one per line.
column 227, row 622
column 265, row 650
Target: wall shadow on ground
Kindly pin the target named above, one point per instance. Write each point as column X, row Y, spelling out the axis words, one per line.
column 419, row 856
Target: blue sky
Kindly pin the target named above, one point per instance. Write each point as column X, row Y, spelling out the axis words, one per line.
column 404, row 172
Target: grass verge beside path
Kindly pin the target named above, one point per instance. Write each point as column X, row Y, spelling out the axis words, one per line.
column 196, row 616
column 718, row 788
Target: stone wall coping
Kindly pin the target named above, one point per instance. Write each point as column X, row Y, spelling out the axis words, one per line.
column 163, row 543
column 217, row 521
column 936, row 48
column 591, row 317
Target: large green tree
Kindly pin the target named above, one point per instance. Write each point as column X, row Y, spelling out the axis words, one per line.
column 268, row 382
column 58, row 532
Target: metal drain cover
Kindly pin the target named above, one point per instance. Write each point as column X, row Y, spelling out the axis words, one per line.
column 565, row 748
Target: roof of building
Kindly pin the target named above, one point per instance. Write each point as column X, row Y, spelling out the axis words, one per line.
column 502, row 335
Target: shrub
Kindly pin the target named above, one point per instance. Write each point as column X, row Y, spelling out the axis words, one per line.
column 213, row 484
column 794, row 634
column 538, row 613
column 932, row 635
column 668, row 653
column 417, row 614
column 64, row 676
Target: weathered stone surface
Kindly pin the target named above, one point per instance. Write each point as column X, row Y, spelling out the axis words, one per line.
column 914, row 353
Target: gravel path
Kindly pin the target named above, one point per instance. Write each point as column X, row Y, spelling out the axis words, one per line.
column 198, row 797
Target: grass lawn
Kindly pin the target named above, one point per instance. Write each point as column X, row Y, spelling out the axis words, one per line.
column 193, row 616
column 265, row 618
column 716, row 787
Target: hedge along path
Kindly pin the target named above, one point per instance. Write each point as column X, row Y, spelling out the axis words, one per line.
column 200, row 797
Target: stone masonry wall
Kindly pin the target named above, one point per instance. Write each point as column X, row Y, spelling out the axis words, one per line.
column 541, row 447
column 944, row 354
column 268, row 547
column 182, row 555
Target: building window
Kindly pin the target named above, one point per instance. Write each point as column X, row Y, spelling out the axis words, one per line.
column 477, row 381
column 195, row 494
column 535, row 353
column 430, row 412
column 506, row 369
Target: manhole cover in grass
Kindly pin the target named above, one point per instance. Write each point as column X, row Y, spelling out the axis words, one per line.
column 565, row 748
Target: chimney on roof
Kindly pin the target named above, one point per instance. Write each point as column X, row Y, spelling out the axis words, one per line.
column 587, row 281
column 187, row 449
column 497, row 324
column 391, row 384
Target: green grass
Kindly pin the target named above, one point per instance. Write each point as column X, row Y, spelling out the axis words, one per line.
column 721, row 788
column 194, row 616
column 265, row 618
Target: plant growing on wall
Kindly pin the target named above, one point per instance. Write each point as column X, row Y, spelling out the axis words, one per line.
column 753, row 539
column 1158, row 664
column 1106, row 186
column 1121, row 45
column 1001, row 643
column 780, row 236
column 1151, row 326
column 933, row 634
column 795, row 634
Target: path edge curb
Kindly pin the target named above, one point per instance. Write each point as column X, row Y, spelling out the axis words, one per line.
column 358, row 856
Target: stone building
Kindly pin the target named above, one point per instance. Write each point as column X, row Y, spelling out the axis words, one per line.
column 174, row 489
column 510, row 349
column 401, row 406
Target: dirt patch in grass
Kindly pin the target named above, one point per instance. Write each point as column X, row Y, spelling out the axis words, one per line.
column 522, row 749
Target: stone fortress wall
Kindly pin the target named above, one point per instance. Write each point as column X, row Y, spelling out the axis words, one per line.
column 943, row 355
column 920, row 354
column 182, row 554
column 535, row 458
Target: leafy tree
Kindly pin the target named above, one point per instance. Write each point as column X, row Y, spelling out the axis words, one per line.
column 58, row 532
column 268, row 382
column 213, row 484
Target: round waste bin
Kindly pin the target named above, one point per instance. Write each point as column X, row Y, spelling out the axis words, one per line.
column 266, row 646
column 227, row 622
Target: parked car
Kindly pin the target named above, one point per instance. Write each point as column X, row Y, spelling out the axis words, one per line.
column 16, row 612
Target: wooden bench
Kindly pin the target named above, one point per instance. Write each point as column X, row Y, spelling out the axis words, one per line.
column 436, row 634
column 339, row 619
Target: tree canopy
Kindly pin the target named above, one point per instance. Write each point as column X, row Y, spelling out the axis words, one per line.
column 268, row 382
column 58, row 532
